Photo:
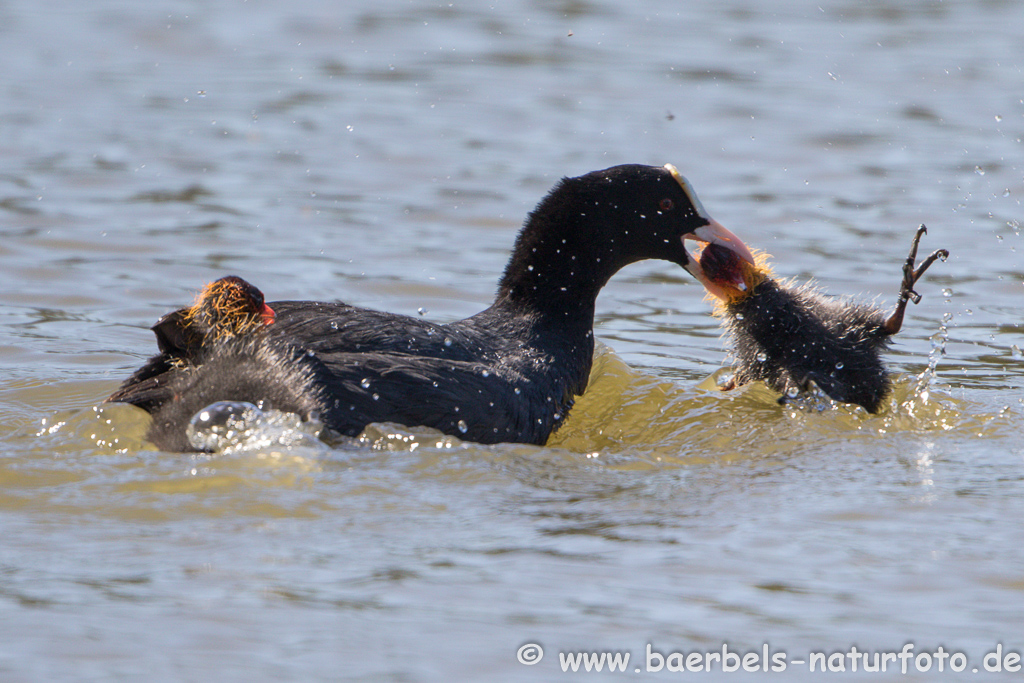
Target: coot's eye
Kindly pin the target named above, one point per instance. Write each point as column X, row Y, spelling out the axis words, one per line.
column 666, row 204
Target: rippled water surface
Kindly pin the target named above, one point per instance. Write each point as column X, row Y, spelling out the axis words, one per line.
column 385, row 154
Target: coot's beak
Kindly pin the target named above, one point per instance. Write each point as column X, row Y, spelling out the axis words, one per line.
column 267, row 315
column 712, row 233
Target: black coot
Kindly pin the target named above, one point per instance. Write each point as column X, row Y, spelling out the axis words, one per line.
column 509, row 373
column 789, row 337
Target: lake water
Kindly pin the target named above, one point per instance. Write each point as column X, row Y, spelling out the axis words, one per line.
column 385, row 155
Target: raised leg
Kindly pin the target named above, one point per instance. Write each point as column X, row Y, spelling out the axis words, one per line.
column 910, row 277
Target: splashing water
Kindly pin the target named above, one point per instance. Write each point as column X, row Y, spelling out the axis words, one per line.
column 918, row 404
column 228, row 426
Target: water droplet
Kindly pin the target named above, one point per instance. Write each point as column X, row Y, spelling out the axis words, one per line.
column 1016, row 353
column 739, row 316
column 839, row 365
column 530, row 268
column 761, row 356
column 557, row 416
column 486, row 373
column 979, row 170
column 1006, row 192
column 998, row 118
column 334, row 324
column 517, row 391
column 376, row 397
column 947, row 292
column 792, row 392
column 462, row 426
column 365, row 383
column 943, row 256
column 447, row 341
column 421, row 310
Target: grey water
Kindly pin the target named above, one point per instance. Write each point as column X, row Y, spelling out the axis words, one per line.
column 385, row 154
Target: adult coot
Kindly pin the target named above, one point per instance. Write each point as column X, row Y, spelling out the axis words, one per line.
column 509, row 373
column 790, row 337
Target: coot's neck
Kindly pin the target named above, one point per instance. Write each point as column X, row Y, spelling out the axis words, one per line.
column 562, row 258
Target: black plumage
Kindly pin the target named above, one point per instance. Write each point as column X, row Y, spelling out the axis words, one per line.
column 509, row 373
column 790, row 337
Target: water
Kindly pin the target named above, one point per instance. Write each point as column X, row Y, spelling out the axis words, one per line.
column 385, row 156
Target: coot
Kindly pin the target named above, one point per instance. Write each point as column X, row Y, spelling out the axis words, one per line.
column 792, row 336
column 507, row 374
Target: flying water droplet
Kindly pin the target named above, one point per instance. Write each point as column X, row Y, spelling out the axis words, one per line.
column 1016, row 353
column 517, row 391
column 421, row 310
column 839, row 365
column 979, row 170
column 334, row 324
column 792, row 392
column 447, row 341
column 947, row 292
column 761, row 356
column 739, row 316
column 365, row 383
column 463, row 427
column 376, row 397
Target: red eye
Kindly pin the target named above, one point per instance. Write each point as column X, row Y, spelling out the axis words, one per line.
column 666, row 205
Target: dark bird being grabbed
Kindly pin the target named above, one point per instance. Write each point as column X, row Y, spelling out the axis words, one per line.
column 507, row 374
column 796, row 338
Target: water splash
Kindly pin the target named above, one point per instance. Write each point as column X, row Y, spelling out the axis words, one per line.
column 230, row 426
column 918, row 404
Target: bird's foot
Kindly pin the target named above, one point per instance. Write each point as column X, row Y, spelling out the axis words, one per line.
column 911, row 275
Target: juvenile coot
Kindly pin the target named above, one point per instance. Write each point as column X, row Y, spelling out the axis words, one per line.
column 225, row 309
column 509, row 373
column 789, row 337
column 228, row 307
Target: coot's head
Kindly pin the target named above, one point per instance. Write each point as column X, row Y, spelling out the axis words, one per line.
column 589, row 227
column 228, row 307
column 727, row 276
